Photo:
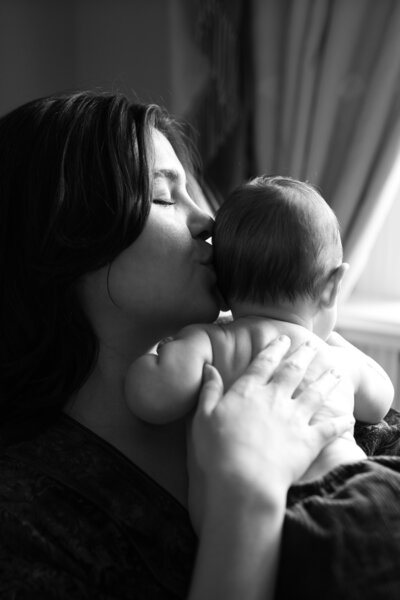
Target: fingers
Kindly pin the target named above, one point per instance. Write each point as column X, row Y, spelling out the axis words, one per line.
column 315, row 394
column 259, row 371
column 292, row 370
column 264, row 364
column 211, row 390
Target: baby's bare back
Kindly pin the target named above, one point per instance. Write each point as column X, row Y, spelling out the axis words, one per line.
column 236, row 343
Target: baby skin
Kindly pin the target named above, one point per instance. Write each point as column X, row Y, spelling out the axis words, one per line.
column 164, row 387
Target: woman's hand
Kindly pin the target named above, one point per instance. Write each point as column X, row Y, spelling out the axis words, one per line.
column 245, row 448
column 251, row 443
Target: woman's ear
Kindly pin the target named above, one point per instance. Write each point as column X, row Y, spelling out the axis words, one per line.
column 331, row 290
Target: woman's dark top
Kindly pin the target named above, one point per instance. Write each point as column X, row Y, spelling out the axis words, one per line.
column 78, row 520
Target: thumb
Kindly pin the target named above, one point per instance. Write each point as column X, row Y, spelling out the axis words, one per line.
column 211, row 391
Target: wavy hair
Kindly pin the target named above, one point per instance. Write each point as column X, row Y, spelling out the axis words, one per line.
column 74, row 193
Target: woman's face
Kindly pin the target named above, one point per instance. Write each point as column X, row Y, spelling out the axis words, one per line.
column 166, row 276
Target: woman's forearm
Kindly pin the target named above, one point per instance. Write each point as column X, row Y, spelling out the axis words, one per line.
column 239, row 550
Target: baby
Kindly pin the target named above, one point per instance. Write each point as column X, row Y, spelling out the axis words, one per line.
column 278, row 257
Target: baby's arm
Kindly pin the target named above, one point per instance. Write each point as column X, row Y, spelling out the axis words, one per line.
column 373, row 389
column 162, row 388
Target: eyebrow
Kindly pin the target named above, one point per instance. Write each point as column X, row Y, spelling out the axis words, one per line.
column 169, row 174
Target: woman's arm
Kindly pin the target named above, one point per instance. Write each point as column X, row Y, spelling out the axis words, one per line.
column 239, row 547
column 239, row 472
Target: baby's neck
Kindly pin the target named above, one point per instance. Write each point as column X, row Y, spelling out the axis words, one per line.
column 297, row 313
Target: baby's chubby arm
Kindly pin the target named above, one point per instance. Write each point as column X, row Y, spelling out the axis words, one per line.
column 373, row 389
column 163, row 387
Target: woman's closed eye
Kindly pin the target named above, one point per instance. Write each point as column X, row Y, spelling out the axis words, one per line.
column 163, row 202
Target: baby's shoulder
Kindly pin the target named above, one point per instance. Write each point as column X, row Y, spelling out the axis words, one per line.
column 250, row 334
column 261, row 331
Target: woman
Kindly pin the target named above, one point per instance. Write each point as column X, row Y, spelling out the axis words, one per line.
column 104, row 253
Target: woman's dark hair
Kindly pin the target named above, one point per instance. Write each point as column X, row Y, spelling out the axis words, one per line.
column 275, row 238
column 74, row 193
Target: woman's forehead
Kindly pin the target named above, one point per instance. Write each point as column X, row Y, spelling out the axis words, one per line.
column 164, row 161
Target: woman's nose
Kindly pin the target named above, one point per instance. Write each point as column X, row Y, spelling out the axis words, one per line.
column 201, row 224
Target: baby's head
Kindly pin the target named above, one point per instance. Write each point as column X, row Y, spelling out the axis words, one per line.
column 277, row 241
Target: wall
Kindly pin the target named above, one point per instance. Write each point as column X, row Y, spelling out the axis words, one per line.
column 124, row 44
column 36, row 49
column 144, row 46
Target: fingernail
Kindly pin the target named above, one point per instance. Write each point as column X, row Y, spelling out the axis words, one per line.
column 312, row 344
column 206, row 371
column 284, row 339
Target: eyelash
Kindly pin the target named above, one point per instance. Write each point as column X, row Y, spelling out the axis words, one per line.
column 163, row 202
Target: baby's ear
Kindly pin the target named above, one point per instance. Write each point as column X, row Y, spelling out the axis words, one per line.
column 331, row 290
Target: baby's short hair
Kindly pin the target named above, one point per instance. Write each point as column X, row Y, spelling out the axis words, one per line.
column 275, row 238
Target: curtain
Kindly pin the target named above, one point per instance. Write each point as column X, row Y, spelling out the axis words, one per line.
column 327, row 106
column 221, row 114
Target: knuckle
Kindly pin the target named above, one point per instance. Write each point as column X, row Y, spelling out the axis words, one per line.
column 293, row 365
column 262, row 364
column 255, row 370
column 331, row 429
column 270, row 359
column 243, row 386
